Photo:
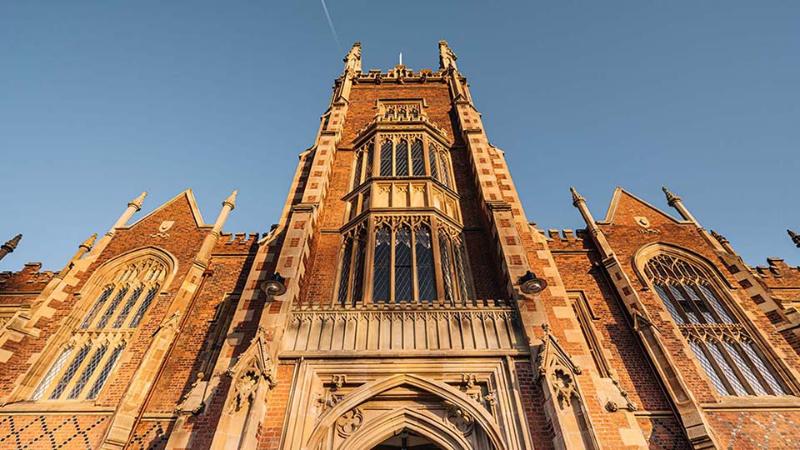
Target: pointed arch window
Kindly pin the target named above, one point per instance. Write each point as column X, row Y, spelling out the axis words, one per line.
column 410, row 259
column 82, row 368
column 404, row 156
column 722, row 345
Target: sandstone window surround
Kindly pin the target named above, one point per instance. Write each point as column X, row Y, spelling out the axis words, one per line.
column 734, row 362
column 404, row 259
column 402, row 155
column 87, row 361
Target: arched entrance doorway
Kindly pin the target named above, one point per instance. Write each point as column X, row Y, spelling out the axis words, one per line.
column 407, row 440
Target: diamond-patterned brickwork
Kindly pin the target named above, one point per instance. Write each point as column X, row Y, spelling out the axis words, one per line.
column 50, row 432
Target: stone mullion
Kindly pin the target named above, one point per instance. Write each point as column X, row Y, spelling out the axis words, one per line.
column 369, row 260
column 437, row 258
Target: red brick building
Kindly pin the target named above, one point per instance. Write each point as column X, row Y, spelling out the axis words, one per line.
column 403, row 301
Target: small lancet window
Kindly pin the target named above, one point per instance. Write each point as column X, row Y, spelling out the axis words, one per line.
column 402, row 265
column 401, row 158
column 417, row 158
column 386, row 159
column 383, row 252
column 426, row 276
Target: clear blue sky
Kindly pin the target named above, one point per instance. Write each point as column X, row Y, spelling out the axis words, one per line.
column 101, row 100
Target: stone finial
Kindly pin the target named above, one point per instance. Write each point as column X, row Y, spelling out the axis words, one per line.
column 231, row 200
column 795, row 237
column 12, row 243
column 671, row 198
column 447, row 58
column 138, row 201
column 722, row 239
column 352, row 61
column 576, row 197
column 89, row 242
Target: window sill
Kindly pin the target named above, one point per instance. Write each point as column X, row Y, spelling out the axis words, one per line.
column 784, row 402
column 55, row 406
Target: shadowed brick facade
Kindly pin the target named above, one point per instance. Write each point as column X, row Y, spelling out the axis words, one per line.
column 403, row 300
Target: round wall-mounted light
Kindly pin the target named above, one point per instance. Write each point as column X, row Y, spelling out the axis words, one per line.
column 531, row 284
column 274, row 286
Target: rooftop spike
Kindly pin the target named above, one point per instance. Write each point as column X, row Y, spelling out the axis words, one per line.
column 576, row 197
column 89, row 242
column 12, row 243
column 231, row 200
column 795, row 237
column 138, row 201
column 671, row 198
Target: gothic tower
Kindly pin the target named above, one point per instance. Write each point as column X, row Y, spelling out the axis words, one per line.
column 402, row 301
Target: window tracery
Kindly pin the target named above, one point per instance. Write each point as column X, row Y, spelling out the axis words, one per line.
column 402, row 155
column 82, row 368
column 409, row 255
column 722, row 345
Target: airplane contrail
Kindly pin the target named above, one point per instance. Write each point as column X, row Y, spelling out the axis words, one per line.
column 330, row 24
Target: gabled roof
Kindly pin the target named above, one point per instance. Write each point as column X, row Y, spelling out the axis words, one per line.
column 187, row 196
column 621, row 196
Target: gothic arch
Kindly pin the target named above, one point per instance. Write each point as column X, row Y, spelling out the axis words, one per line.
column 393, row 422
column 107, row 268
column 446, row 392
column 644, row 253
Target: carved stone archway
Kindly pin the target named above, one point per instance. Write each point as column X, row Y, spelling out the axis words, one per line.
column 394, row 422
column 464, row 415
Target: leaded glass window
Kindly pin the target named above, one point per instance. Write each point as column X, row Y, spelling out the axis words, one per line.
column 722, row 345
column 383, row 255
column 81, row 369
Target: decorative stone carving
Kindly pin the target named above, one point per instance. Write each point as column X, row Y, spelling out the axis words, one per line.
column 352, row 62
column 460, row 419
column 349, row 422
column 447, row 58
column 253, row 367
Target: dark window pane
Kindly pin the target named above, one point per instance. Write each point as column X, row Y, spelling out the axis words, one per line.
column 103, row 375
column 445, row 170
column 358, row 274
column 383, row 251
column 432, row 159
column 69, row 373
column 128, row 306
column 418, row 158
column 87, row 372
column 386, row 159
column 96, row 307
column 402, row 265
column 344, row 278
column 112, row 307
column 444, row 249
column 357, row 169
column 401, row 159
column 151, row 294
column 425, row 271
